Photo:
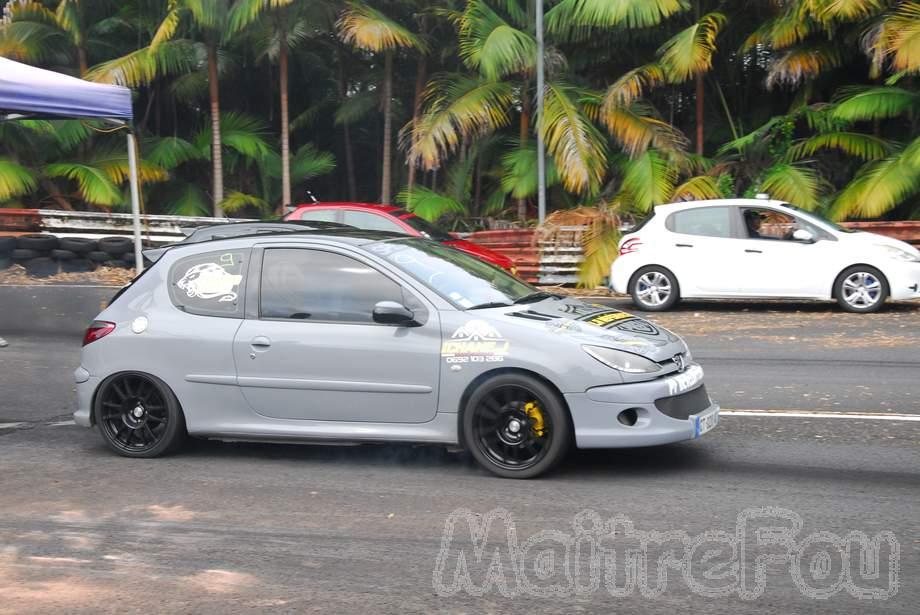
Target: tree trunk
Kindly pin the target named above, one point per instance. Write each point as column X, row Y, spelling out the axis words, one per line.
column 386, row 171
column 523, row 136
column 700, row 108
column 82, row 61
column 217, row 159
column 285, row 126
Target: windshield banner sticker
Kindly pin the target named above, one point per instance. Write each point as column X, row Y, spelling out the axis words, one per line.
column 210, row 281
column 475, row 342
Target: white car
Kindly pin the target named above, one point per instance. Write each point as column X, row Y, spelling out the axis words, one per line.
column 759, row 248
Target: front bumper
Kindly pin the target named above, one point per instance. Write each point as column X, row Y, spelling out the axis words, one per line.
column 595, row 414
column 904, row 280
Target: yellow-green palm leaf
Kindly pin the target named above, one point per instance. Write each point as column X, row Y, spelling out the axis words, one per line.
column 147, row 64
column 574, row 17
column 648, row 180
column 15, row 179
column 876, row 103
column 856, row 144
column 798, row 185
column 95, row 185
column 572, row 140
column 881, row 185
column 689, row 52
column 492, row 46
column 800, row 64
column 366, row 28
column 904, row 41
column 698, row 188
column 633, row 84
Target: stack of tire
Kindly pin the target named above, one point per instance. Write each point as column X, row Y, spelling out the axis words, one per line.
column 46, row 255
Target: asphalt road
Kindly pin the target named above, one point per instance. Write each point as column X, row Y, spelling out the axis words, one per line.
column 251, row 528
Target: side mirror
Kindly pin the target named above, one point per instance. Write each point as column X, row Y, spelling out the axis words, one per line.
column 393, row 313
column 802, row 235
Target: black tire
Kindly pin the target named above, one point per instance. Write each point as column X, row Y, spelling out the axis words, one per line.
column 98, row 256
column 7, row 244
column 498, row 407
column 160, row 428
column 638, row 285
column 21, row 255
column 42, row 267
column 116, row 246
column 5, row 262
column 62, row 255
column 861, row 289
column 37, row 241
column 77, row 265
column 117, row 263
column 78, row 245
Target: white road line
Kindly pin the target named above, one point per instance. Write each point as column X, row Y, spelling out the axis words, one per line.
column 10, row 425
column 62, row 423
column 818, row 414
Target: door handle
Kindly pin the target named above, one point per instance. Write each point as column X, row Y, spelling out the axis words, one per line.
column 754, row 251
column 684, row 245
column 260, row 342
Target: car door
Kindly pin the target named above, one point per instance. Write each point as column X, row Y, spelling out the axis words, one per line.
column 312, row 351
column 776, row 264
column 700, row 240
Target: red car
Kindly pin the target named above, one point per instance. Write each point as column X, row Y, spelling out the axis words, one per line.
column 392, row 218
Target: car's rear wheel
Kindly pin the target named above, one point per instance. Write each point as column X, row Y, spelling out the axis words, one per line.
column 654, row 289
column 516, row 426
column 861, row 288
column 138, row 415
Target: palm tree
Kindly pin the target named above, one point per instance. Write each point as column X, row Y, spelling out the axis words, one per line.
column 210, row 19
column 368, row 29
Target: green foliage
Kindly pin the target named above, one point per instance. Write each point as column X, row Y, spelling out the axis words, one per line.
column 15, row 180
column 428, row 204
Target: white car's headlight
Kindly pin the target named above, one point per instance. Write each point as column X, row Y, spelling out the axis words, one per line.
column 622, row 361
column 899, row 254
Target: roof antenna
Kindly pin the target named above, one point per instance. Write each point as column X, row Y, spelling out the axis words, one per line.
column 311, row 197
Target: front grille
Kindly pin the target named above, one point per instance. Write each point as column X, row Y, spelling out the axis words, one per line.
column 683, row 405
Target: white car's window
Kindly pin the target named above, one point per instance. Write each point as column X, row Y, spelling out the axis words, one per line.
column 371, row 222
column 763, row 223
column 209, row 284
column 707, row 221
column 314, row 285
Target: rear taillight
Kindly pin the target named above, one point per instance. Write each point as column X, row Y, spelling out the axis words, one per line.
column 97, row 330
column 630, row 245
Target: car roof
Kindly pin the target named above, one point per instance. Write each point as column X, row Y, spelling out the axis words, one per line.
column 242, row 228
column 342, row 204
column 682, row 205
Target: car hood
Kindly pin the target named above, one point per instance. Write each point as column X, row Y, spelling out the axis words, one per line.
column 594, row 324
column 481, row 252
column 874, row 239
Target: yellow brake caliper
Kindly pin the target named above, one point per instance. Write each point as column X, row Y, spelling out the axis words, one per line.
column 533, row 411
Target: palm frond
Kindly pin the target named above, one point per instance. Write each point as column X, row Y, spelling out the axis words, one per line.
column 236, row 200
column 799, row 64
column 881, row 185
column 600, row 246
column 94, row 184
column 874, row 103
column 309, row 162
column 648, row 180
column 579, row 149
column 856, row 144
column 356, row 107
column 847, row 10
column 636, row 128
column 366, row 28
column 574, row 18
column 32, row 42
column 244, row 12
column 239, row 132
column 428, row 204
column 492, row 46
column 169, row 26
column 147, row 64
column 789, row 28
column 171, row 152
column 698, row 188
column 457, row 107
column 689, row 52
column 794, row 184
column 519, row 170
column 904, row 41
column 15, row 179
column 633, row 84
column 187, row 199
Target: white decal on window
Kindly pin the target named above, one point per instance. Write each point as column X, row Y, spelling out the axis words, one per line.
column 210, row 281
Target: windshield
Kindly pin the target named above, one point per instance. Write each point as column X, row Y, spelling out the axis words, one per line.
column 464, row 280
column 426, row 228
column 819, row 220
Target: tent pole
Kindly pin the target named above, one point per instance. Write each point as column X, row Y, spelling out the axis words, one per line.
column 135, row 203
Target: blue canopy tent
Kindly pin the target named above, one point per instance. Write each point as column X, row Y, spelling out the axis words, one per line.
column 30, row 92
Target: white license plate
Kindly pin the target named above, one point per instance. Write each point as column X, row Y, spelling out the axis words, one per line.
column 706, row 422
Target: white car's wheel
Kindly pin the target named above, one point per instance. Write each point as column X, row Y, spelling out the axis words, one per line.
column 654, row 289
column 861, row 288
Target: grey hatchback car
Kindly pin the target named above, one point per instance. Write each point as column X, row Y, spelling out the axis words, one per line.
column 369, row 336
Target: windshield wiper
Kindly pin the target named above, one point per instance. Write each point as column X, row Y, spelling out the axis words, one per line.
column 490, row 304
column 536, row 296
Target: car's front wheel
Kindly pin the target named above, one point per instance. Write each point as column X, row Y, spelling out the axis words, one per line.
column 138, row 415
column 654, row 289
column 861, row 289
column 516, row 426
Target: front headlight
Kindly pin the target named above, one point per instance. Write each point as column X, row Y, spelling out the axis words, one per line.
column 899, row 254
column 622, row 361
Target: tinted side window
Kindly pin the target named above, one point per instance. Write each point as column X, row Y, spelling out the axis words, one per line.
column 314, row 285
column 372, row 222
column 210, row 284
column 323, row 215
column 707, row 221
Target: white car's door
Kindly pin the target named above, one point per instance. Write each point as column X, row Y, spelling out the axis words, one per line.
column 699, row 242
column 777, row 264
